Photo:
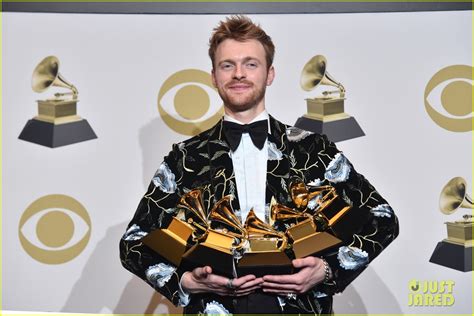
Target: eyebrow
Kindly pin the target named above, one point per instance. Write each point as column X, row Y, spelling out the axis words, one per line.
column 244, row 60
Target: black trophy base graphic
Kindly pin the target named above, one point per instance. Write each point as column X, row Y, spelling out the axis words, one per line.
column 50, row 135
column 452, row 256
column 336, row 131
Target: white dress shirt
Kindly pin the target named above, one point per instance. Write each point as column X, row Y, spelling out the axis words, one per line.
column 250, row 169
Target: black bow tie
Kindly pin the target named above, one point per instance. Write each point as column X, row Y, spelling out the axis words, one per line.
column 258, row 133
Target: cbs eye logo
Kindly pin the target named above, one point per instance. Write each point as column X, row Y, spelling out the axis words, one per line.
column 54, row 229
column 456, row 98
column 188, row 103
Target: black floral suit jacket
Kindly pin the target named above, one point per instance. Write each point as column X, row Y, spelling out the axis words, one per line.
column 204, row 162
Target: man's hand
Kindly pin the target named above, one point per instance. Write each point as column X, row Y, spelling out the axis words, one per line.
column 202, row 280
column 311, row 273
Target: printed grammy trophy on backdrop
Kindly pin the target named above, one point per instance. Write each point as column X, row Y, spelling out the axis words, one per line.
column 326, row 113
column 456, row 251
column 57, row 123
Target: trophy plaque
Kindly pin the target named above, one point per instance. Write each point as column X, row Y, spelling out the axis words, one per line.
column 325, row 114
column 57, row 123
column 455, row 251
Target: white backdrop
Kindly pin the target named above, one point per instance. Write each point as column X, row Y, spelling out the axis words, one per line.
column 119, row 62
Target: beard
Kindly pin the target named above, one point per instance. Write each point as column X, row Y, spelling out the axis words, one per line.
column 242, row 102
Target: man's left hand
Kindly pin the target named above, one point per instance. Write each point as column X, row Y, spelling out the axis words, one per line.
column 311, row 273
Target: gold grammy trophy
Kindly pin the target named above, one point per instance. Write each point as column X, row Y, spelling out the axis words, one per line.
column 315, row 229
column 57, row 123
column 213, row 246
column 326, row 113
column 455, row 251
column 265, row 253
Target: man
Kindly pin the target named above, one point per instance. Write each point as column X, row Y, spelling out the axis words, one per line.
column 254, row 170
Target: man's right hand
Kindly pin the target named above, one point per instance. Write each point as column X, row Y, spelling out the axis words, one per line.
column 202, row 280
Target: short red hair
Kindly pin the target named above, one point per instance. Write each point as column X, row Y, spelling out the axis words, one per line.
column 240, row 28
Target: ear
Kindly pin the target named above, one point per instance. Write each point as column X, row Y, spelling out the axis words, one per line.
column 270, row 75
column 213, row 76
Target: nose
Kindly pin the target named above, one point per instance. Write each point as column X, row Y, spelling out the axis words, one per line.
column 239, row 72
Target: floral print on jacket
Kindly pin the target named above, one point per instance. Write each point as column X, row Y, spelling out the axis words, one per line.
column 204, row 162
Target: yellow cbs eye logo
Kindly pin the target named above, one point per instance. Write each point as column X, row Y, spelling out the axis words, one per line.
column 456, row 98
column 54, row 229
column 188, row 103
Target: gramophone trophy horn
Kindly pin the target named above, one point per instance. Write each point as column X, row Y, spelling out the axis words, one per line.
column 46, row 75
column 57, row 123
column 455, row 251
column 223, row 214
column 325, row 113
column 314, row 73
column 262, row 236
column 214, row 246
column 197, row 217
column 454, row 196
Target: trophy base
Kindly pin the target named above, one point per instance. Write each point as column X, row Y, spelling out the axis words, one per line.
column 171, row 243
column 51, row 135
column 264, row 263
column 314, row 244
column 204, row 254
column 336, row 131
column 453, row 256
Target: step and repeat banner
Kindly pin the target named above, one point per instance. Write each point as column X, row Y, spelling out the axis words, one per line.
column 132, row 85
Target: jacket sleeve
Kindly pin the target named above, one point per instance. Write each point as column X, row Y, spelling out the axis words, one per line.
column 378, row 223
column 154, row 211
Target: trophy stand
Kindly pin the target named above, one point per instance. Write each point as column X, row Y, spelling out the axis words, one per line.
column 326, row 114
column 455, row 252
column 57, row 123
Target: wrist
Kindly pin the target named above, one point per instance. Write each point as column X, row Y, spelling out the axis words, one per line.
column 327, row 271
column 184, row 282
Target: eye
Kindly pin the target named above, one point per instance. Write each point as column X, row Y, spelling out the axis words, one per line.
column 252, row 65
column 188, row 103
column 54, row 229
column 448, row 98
column 226, row 66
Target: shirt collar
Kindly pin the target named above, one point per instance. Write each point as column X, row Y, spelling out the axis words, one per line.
column 261, row 117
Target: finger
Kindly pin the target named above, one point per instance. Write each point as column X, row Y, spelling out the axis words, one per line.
column 253, row 283
column 244, row 293
column 279, row 292
column 219, row 281
column 284, row 278
column 250, row 289
column 200, row 273
column 304, row 262
column 208, row 269
column 278, row 286
column 242, row 280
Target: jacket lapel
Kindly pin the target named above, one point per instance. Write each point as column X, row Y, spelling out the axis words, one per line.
column 278, row 166
column 222, row 175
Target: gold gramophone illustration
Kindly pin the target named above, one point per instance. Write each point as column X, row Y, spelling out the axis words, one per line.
column 325, row 114
column 57, row 123
column 455, row 251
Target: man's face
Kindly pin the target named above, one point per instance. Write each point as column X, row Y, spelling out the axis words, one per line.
column 240, row 74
